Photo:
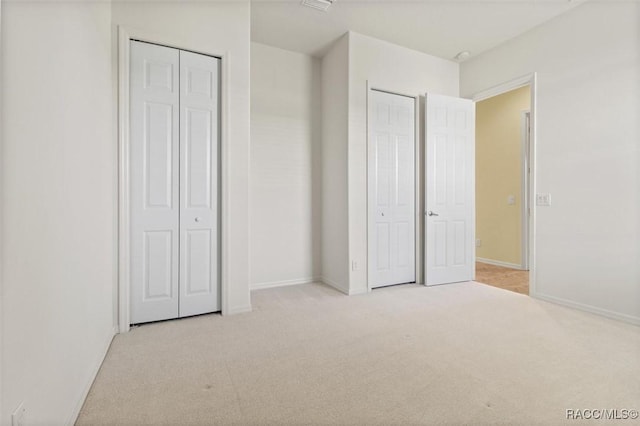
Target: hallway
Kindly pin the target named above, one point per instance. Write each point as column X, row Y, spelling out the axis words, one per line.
column 506, row 278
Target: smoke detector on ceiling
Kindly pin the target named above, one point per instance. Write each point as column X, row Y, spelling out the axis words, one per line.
column 462, row 56
column 322, row 5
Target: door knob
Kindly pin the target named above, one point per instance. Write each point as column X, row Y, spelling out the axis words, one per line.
column 432, row 213
column 197, row 219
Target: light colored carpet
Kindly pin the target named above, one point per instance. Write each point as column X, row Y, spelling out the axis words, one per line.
column 454, row 354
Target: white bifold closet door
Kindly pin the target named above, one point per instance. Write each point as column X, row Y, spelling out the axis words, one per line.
column 391, row 189
column 174, row 135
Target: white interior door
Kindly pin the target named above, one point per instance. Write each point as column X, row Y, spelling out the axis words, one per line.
column 449, row 187
column 198, row 184
column 174, row 183
column 154, row 157
column 391, row 177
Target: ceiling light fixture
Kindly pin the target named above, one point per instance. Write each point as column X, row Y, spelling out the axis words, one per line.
column 462, row 56
column 322, row 5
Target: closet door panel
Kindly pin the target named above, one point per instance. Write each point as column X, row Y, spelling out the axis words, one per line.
column 199, row 144
column 154, row 162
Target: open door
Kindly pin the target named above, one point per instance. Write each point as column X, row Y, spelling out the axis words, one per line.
column 449, row 189
column 391, row 189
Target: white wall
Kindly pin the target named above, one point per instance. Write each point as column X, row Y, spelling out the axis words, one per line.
column 58, row 198
column 397, row 69
column 335, row 243
column 588, row 155
column 285, row 167
column 214, row 27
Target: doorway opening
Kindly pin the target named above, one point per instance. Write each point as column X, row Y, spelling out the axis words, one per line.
column 504, row 188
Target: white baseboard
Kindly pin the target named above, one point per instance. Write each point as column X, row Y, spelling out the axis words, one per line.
column 588, row 308
column 353, row 292
column 92, row 377
column 284, row 283
column 239, row 310
column 335, row 285
column 499, row 263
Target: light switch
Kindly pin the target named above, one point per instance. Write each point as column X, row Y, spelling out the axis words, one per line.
column 543, row 199
column 511, row 200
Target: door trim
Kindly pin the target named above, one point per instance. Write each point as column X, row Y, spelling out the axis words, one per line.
column 418, row 219
column 525, row 119
column 2, row 157
column 531, row 81
column 125, row 35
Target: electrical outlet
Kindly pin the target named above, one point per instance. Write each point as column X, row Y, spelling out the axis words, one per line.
column 18, row 417
column 511, row 200
column 478, row 242
column 354, row 265
column 543, row 199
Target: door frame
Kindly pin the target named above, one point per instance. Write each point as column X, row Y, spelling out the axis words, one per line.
column 516, row 83
column 525, row 120
column 1, row 236
column 418, row 220
column 125, row 35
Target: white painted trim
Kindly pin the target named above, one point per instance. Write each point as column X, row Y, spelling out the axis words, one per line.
column 499, row 263
column 516, row 83
column 378, row 88
column 588, row 308
column 283, row 283
column 533, row 182
column 224, row 190
column 238, row 310
column 124, row 226
column 335, row 285
column 348, row 179
column 524, row 189
column 418, row 216
column 473, row 193
column 369, row 268
column 92, row 377
column 124, row 229
column 2, row 297
column 531, row 80
column 356, row 292
column 418, row 185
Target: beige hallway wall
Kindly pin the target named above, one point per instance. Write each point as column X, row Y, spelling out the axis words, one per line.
column 499, row 175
